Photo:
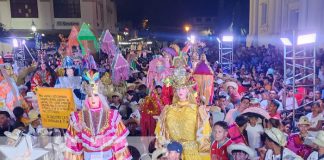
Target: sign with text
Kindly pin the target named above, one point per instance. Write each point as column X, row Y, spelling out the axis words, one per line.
column 55, row 106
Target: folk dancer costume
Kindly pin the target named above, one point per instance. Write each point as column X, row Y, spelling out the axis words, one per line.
column 185, row 122
column 42, row 76
column 96, row 132
column 159, row 69
column 70, row 81
column 9, row 94
column 151, row 107
column 204, row 76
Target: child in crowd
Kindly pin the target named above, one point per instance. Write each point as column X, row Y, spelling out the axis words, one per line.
column 221, row 142
column 254, row 132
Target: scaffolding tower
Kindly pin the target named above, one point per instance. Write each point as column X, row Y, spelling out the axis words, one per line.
column 225, row 53
column 299, row 66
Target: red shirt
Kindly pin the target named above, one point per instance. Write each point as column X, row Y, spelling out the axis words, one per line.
column 220, row 152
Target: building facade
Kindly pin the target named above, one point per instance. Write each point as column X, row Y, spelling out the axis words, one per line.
column 57, row 15
column 204, row 26
column 272, row 19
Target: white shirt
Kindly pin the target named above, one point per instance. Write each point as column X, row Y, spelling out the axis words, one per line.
column 287, row 155
column 290, row 103
column 254, row 135
column 314, row 121
column 314, row 156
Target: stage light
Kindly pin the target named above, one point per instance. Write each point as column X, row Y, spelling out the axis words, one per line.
column 15, row 43
column 286, row 41
column 192, row 39
column 306, row 39
column 227, row 39
column 43, row 35
column 23, row 42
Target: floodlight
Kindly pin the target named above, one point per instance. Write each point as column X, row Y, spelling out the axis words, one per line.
column 192, row 39
column 286, row 41
column 227, row 39
column 15, row 42
column 306, row 39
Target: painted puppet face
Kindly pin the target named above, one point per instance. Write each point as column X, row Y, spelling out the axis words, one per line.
column 182, row 93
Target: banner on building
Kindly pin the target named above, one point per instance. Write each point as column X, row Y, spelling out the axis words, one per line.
column 55, row 106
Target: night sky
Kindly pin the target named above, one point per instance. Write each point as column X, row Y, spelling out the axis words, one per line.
column 171, row 15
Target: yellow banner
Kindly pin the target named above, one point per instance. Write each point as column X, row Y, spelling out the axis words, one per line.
column 55, row 106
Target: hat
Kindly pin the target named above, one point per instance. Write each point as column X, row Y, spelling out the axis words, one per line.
column 231, row 84
column 175, row 146
column 277, row 136
column 246, row 97
column 158, row 152
column 116, row 94
column 258, row 111
column 303, row 120
column 30, row 95
column 241, row 147
column 131, row 86
column 319, row 139
column 15, row 134
column 33, row 115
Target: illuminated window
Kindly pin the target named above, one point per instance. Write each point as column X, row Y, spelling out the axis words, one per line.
column 67, row 8
column 24, row 8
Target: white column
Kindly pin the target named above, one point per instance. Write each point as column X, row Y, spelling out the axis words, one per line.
column 271, row 17
column 251, row 20
column 278, row 17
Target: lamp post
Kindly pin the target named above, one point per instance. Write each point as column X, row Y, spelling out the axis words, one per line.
column 186, row 29
column 33, row 27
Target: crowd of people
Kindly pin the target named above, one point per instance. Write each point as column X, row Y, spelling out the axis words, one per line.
column 248, row 114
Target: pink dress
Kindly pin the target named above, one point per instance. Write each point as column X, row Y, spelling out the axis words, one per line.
column 109, row 143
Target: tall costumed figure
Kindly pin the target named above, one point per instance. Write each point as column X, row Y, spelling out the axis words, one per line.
column 184, row 121
column 96, row 132
column 70, row 80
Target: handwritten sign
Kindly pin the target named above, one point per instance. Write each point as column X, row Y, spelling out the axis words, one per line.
column 55, row 106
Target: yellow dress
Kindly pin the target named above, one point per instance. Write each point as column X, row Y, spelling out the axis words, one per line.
column 188, row 124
